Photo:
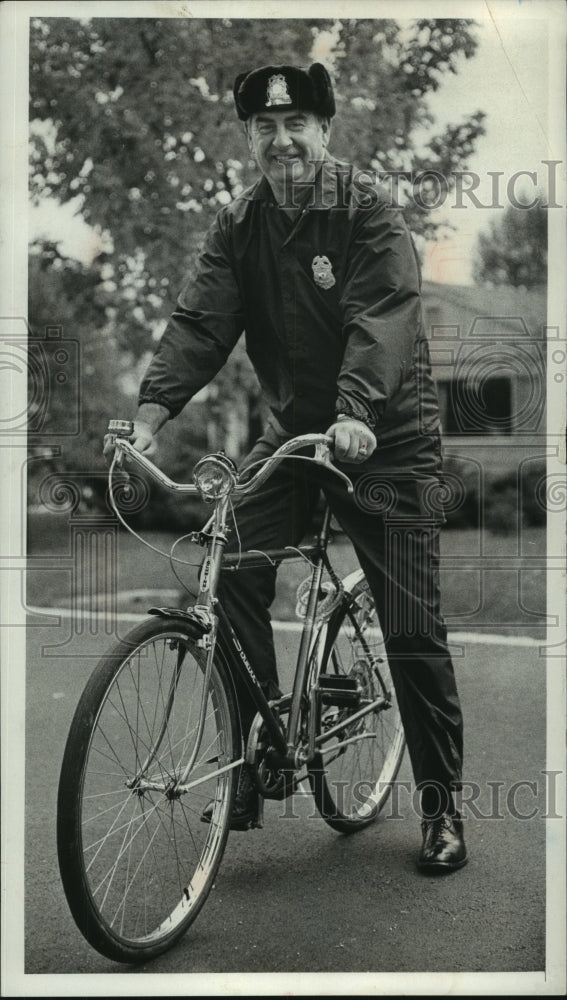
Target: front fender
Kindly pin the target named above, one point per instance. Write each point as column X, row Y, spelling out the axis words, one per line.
column 189, row 617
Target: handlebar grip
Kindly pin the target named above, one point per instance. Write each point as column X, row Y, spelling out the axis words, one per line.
column 121, row 428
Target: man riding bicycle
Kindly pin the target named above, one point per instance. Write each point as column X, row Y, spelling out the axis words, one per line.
column 321, row 274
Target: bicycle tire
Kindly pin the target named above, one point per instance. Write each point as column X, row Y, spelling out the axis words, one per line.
column 137, row 863
column 351, row 784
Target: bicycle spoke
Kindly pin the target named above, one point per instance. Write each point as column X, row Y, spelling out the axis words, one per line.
column 102, row 812
column 354, row 781
column 111, row 833
column 143, row 826
column 114, row 867
column 144, row 861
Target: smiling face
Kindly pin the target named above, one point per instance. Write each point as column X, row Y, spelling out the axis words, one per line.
column 287, row 145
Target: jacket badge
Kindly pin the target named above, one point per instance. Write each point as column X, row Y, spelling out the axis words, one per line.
column 323, row 272
column 277, row 91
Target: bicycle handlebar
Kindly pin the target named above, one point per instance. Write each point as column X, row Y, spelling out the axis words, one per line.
column 322, row 457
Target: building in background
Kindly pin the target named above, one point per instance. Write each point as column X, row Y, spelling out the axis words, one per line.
column 487, row 349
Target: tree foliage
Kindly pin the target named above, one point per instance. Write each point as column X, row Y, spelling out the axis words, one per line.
column 147, row 136
column 75, row 368
column 134, row 117
column 514, row 249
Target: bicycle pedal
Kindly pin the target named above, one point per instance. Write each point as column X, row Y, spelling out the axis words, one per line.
column 281, row 704
column 335, row 689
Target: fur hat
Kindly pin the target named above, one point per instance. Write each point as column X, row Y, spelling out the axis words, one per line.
column 282, row 87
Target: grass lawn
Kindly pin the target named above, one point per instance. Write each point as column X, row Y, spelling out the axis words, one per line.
column 489, row 582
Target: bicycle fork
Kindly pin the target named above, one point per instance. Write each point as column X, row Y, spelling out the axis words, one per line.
column 203, row 613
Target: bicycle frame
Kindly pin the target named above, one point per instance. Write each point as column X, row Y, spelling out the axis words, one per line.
column 216, row 632
column 288, row 748
column 227, row 643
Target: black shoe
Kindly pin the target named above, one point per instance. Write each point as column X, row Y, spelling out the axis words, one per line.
column 246, row 810
column 443, row 848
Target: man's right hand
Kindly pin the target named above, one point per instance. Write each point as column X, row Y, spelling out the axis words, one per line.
column 141, row 439
column 150, row 417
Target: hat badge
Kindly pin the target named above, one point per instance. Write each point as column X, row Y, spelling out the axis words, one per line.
column 323, row 272
column 277, row 91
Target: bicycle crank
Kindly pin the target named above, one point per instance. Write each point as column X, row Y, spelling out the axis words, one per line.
column 272, row 781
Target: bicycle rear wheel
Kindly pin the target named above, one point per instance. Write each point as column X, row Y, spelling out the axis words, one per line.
column 136, row 861
column 352, row 775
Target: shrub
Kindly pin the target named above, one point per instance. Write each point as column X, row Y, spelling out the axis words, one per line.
column 508, row 501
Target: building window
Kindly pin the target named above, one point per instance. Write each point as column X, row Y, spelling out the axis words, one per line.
column 476, row 407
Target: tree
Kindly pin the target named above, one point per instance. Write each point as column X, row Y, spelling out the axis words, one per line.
column 383, row 78
column 146, row 135
column 145, row 130
column 514, row 250
column 135, row 118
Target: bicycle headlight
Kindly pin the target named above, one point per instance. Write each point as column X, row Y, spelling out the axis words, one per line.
column 214, row 476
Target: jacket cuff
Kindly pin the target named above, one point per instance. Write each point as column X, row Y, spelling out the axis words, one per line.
column 347, row 409
column 148, row 398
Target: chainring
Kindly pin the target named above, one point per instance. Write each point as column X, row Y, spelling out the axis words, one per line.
column 271, row 783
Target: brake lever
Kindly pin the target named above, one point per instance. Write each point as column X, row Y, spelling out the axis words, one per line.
column 119, row 431
column 323, row 458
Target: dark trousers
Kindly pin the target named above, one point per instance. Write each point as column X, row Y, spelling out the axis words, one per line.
column 393, row 522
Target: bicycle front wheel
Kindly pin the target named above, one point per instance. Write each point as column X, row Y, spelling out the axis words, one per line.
column 351, row 776
column 136, row 860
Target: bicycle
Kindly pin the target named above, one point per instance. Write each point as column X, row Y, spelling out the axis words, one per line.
column 156, row 733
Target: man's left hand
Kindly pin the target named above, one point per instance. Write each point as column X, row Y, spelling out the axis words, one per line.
column 353, row 441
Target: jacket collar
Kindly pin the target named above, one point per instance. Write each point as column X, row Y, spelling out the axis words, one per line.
column 322, row 193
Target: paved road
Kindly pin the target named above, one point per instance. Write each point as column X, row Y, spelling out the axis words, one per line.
column 297, row 897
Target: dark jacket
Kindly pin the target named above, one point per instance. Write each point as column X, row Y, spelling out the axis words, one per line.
column 345, row 337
